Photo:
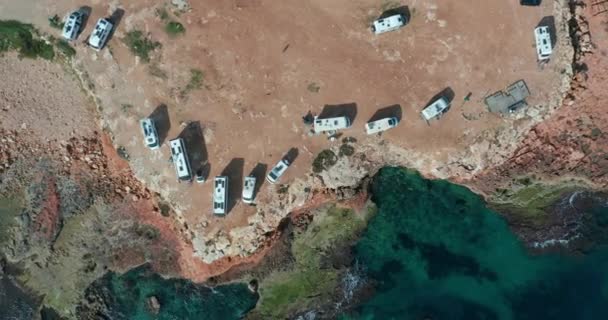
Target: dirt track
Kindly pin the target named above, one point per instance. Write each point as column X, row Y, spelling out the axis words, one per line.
column 262, row 59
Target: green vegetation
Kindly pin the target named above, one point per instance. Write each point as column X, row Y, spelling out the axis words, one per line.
column 65, row 48
column 10, row 208
column 174, row 28
column 140, row 45
column 347, row 150
column 162, row 13
column 530, row 199
column 122, row 152
column 156, row 71
column 196, row 81
column 126, row 107
column 313, row 87
column 56, row 22
column 307, row 283
column 22, row 37
column 324, row 160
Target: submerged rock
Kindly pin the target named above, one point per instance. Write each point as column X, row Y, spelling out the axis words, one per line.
column 153, row 305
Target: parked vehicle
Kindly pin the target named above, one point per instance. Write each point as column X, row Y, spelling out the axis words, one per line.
column 529, row 2
column 387, row 24
column 100, row 35
column 248, row 189
column 435, row 109
column 220, row 195
column 381, row 125
column 180, row 159
column 277, row 171
column 73, row 25
column 330, row 124
column 150, row 135
column 544, row 47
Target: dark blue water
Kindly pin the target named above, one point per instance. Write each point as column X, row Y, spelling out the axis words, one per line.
column 437, row 252
column 15, row 304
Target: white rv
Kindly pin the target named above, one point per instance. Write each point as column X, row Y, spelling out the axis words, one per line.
column 180, row 159
column 220, row 195
column 150, row 135
column 100, row 35
column 381, row 125
column 435, row 109
column 330, row 124
column 73, row 25
column 543, row 43
column 248, row 189
column 277, row 171
column 387, row 24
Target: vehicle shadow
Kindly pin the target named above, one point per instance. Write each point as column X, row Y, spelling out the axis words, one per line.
column 388, row 112
column 115, row 19
column 194, row 140
column 446, row 93
column 339, row 110
column 234, row 172
column 291, row 155
column 549, row 21
column 259, row 172
column 160, row 117
column 86, row 10
column 402, row 10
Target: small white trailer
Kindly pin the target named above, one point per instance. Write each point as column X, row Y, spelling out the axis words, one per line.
column 330, row 124
column 248, row 189
column 150, row 134
column 387, row 24
column 381, row 125
column 435, row 109
column 543, row 43
column 277, row 171
column 220, row 195
column 100, row 35
column 180, row 159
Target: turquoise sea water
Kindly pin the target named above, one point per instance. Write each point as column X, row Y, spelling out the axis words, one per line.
column 437, row 252
column 179, row 299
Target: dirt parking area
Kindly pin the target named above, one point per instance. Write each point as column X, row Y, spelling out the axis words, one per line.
column 258, row 66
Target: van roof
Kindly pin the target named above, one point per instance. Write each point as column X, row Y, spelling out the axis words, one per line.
column 100, row 33
column 180, row 159
column 435, row 109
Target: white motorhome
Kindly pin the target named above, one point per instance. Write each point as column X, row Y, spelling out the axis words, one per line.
column 330, row 124
column 150, row 135
column 435, row 109
column 180, row 159
column 543, row 43
column 387, row 24
column 277, row 171
column 248, row 189
column 381, row 125
column 73, row 25
column 100, row 35
column 220, row 195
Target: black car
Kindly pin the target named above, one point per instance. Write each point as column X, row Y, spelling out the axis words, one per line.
column 530, row 2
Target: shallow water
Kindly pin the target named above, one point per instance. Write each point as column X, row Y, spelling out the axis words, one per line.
column 437, row 252
column 15, row 304
column 179, row 299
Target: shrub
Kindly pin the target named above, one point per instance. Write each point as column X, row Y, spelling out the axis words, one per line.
column 56, row 22
column 65, row 48
column 140, row 45
column 347, row 150
column 196, row 81
column 20, row 36
column 174, row 28
column 324, row 160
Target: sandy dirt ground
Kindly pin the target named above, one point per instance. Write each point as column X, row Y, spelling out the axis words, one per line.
column 267, row 63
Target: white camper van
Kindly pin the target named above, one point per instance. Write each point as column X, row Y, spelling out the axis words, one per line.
column 435, row 109
column 180, row 159
column 100, row 35
column 73, row 25
column 381, row 125
column 277, row 171
column 150, row 135
column 330, row 124
column 387, row 24
column 220, row 195
column 248, row 189
column 543, row 43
